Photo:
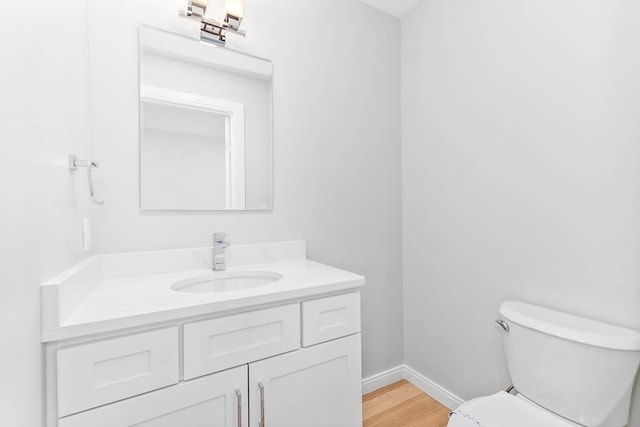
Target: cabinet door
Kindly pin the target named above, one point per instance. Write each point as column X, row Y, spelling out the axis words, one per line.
column 218, row 400
column 318, row 386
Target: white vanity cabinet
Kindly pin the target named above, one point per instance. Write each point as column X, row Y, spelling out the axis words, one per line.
column 292, row 365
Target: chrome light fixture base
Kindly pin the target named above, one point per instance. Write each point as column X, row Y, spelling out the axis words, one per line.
column 212, row 30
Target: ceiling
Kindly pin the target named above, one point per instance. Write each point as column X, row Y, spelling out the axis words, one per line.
column 397, row 8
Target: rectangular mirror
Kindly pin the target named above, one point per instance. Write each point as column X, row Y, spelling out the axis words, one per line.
column 205, row 126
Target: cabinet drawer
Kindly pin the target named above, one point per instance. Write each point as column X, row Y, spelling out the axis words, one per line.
column 91, row 375
column 219, row 400
column 329, row 318
column 221, row 343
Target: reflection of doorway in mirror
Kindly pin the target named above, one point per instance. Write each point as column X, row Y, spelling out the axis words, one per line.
column 178, row 174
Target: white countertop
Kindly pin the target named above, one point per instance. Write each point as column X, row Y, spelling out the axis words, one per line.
column 88, row 300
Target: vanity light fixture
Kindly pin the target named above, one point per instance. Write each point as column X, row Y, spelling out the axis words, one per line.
column 212, row 29
column 197, row 8
column 233, row 14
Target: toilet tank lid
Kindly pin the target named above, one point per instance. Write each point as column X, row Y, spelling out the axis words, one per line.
column 571, row 327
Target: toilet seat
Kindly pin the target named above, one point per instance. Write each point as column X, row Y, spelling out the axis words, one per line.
column 504, row 410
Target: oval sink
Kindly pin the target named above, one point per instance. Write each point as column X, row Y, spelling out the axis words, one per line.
column 225, row 282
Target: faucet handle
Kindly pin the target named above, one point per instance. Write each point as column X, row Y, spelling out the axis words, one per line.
column 220, row 238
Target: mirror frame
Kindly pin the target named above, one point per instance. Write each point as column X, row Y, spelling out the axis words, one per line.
column 191, row 50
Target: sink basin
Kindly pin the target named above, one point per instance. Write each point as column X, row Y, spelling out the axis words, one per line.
column 225, row 282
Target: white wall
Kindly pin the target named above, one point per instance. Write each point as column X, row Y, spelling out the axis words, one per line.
column 521, row 174
column 521, row 167
column 336, row 138
column 43, row 118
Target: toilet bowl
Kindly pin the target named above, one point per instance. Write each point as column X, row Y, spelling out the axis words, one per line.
column 569, row 371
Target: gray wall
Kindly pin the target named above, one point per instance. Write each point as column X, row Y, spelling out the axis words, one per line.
column 521, row 174
column 43, row 118
column 336, row 137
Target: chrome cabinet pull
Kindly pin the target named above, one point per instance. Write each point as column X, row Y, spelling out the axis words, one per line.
column 239, row 398
column 261, row 387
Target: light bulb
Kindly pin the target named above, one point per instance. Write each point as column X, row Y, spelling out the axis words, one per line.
column 234, row 8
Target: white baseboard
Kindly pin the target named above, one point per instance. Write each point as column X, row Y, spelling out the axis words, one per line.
column 433, row 389
column 390, row 376
column 382, row 379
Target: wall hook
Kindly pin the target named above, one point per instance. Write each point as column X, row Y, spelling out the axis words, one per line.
column 75, row 163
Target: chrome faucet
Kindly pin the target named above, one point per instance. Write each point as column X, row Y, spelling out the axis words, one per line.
column 220, row 243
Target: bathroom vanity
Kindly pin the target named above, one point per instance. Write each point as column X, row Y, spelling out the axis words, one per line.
column 159, row 339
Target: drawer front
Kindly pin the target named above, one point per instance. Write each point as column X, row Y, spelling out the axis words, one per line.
column 94, row 374
column 329, row 318
column 219, row 400
column 221, row 343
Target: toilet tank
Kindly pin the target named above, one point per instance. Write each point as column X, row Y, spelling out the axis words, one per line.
column 579, row 368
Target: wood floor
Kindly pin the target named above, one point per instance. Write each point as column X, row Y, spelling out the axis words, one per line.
column 402, row 404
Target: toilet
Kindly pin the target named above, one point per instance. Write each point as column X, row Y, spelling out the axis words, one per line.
column 568, row 371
